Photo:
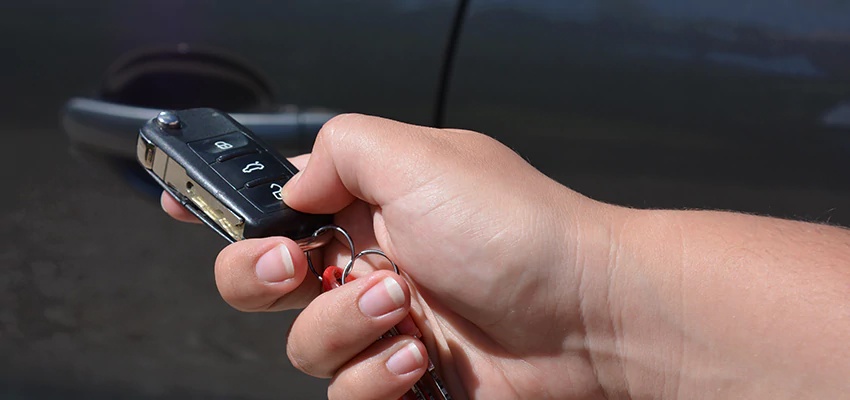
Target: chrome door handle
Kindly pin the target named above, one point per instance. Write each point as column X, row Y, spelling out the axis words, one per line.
column 112, row 129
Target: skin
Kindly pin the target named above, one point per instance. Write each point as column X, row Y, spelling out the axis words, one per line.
column 526, row 289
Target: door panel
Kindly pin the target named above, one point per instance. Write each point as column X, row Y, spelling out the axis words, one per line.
column 667, row 103
column 103, row 295
column 378, row 57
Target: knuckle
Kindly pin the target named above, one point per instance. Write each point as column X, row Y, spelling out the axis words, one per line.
column 350, row 132
column 333, row 341
column 314, row 344
column 228, row 259
column 459, row 131
column 339, row 124
column 305, row 363
column 247, row 302
column 235, row 279
column 332, row 337
column 240, row 299
column 298, row 361
column 226, row 277
column 339, row 390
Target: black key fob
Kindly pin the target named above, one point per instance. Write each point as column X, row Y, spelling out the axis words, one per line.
column 225, row 175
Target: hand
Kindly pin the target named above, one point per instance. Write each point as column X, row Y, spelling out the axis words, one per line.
column 486, row 244
column 526, row 289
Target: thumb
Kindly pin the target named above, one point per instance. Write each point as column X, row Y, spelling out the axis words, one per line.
column 361, row 157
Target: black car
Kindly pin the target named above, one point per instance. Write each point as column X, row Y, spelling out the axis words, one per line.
column 647, row 103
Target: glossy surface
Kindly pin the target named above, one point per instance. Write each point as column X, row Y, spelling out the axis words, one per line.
column 722, row 92
column 379, row 57
column 740, row 105
column 168, row 119
column 102, row 296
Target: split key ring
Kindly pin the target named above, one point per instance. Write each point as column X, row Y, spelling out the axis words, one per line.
column 346, row 271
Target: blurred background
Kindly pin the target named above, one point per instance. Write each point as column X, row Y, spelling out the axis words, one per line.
column 736, row 105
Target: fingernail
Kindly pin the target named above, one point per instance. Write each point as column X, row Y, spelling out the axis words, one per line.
column 406, row 360
column 382, row 298
column 289, row 185
column 276, row 265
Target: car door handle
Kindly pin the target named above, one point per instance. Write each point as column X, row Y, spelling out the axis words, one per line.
column 112, row 129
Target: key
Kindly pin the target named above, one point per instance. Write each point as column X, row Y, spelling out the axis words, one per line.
column 429, row 387
column 231, row 180
column 225, row 175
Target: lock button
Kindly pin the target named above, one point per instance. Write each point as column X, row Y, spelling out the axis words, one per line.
column 267, row 196
column 222, row 148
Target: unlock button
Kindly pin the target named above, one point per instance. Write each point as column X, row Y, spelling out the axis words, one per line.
column 266, row 196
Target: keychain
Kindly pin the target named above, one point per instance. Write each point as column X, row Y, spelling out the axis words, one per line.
column 429, row 387
column 231, row 180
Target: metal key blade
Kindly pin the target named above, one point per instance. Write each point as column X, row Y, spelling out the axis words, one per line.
column 418, row 393
column 438, row 384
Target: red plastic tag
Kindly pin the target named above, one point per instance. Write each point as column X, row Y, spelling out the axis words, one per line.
column 332, row 278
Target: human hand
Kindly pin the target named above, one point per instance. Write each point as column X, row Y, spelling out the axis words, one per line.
column 526, row 289
column 487, row 248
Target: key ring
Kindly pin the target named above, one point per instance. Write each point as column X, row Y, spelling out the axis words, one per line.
column 437, row 389
column 350, row 265
column 321, row 231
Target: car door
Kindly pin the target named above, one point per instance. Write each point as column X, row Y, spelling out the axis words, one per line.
column 667, row 103
column 103, row 296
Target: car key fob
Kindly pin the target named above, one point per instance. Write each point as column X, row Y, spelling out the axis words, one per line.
column 225, row 175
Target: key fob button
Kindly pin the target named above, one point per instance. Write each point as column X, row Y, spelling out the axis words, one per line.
column 224, row 175
column 240, row 170
column 266, row 196
column 224, row 147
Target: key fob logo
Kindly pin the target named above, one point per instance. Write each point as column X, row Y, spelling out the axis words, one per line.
column 276, row 191
column 254, row 166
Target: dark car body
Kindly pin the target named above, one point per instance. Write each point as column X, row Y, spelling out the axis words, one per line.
column 735, row 105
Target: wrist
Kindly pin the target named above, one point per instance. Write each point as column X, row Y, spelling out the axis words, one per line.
column 627, row 289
